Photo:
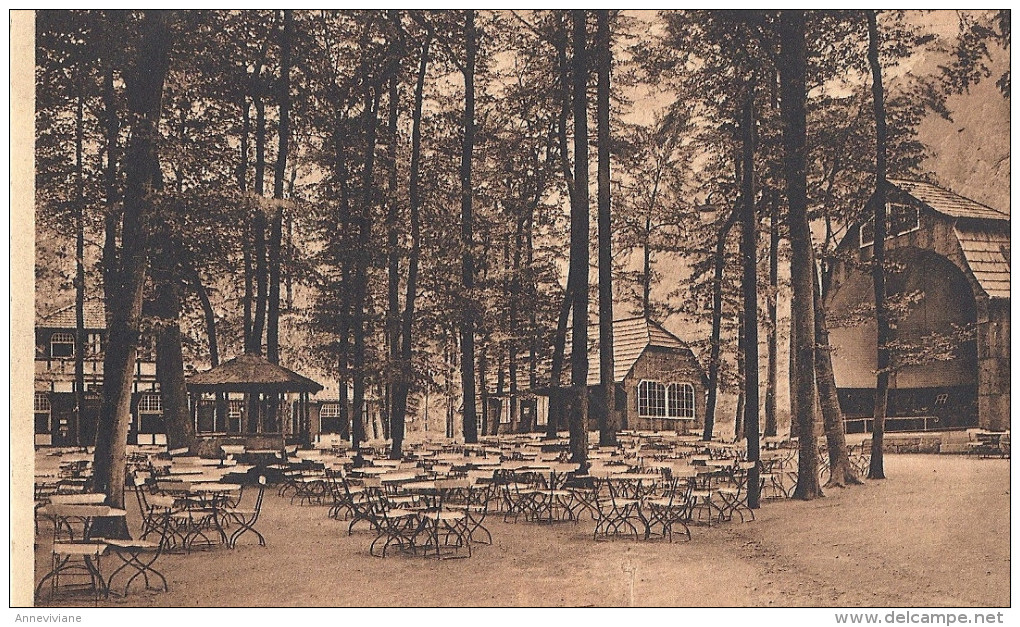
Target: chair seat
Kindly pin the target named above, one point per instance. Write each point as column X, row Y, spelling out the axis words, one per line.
column 161, row 500
column 131, row 544
column 702, row 494
column 240, row 511
column 400, row 513
column 445, row 515
column 558, row 492
column 665, row 503
column 729, row 491
column 622, row 502
column 79, row 548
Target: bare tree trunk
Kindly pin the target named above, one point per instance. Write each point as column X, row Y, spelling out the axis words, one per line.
column 579, row 254
column 646, row 269
column 771, row 419
column 716, row 339
column 405, row 372
column 749, row 250
column 276, row 222
column 111, row 129
column 144, row 85
column 259, row 226
column 738, row 417
column 841, row 473
column 242, row 184
column 877, row 468
column 360, row 287
column 392, row 252
column 793, row 66
column 180, row 430
column 556, row 399
column 604, row 63
column 261, row 279
column 467, row 330
column 79, row 270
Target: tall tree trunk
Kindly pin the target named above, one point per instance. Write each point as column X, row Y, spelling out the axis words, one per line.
column 345, row 220
column 258, row 227
column 209, row 316
column 111, row 129
column 242, row 184
column 715, row 343
column 771, row 420
column 556, row 397
column 259, row 224
column 749, row 250
column 79, row 269
column 405, row 372
column 483, row 389
column 529, row 426
column 877, row 468
column 793, row 66
column 578, row 419
column 841, row 473
column 467, row 329
column 738, row 417
column 180, row 430
column 646, row 268
column 276, row 223
column 144, row 87
column 362, row 260
column 392, row 253
column 273, row 299
column 604, row 62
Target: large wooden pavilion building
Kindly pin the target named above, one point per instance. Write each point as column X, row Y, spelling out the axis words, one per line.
column 949, row 264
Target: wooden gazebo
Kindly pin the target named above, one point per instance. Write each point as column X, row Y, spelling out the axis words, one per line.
column 265, row 385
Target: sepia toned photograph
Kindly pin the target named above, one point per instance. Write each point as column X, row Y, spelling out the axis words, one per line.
column 512, row 308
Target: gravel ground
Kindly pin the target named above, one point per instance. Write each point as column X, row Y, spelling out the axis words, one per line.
column 935, row 533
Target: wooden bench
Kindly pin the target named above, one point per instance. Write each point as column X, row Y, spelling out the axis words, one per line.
column 990, row 444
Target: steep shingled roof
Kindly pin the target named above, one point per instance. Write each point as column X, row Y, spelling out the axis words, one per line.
column 630, row 338
column 64, row 318
column 987, row 254
column 249, row 373
column 985, row 245
column 946, row 202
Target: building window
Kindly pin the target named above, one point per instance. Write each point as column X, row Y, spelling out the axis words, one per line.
column 901, row 218
column 41, row 405
column 680, row 398
column 61, row 345
column 150, row 404
column 95, row 344
column 150, row 414
column 329, row 418
column 329, row 410
column 651, row 400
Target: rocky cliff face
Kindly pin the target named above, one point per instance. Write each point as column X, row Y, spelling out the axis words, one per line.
column 970, row 154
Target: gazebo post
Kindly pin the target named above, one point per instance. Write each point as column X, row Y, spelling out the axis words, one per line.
column 306, row 431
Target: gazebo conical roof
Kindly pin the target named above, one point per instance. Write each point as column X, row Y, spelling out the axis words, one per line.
column 251, row 373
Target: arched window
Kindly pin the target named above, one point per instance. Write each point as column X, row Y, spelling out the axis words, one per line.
column 651, row 400
column 680, row 398
column 61, row 344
